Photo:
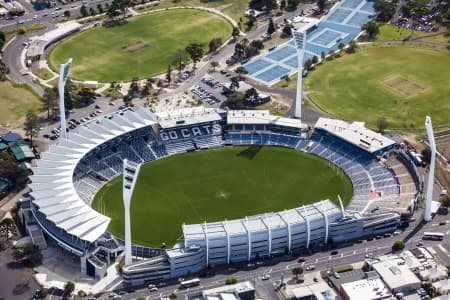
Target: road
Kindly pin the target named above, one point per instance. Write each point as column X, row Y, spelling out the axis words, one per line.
column 322, row 260
column 45, row 15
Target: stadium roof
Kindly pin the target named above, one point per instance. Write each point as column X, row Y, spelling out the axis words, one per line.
column 188, row 116
column 52, row 184
column 356, row 134
column 262, row 222
column 261, row 117
column 40, row 42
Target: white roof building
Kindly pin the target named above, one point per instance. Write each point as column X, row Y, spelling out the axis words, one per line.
column 40, row 42
column 188, row 116
column 442, row 286
column 261, row 117
column 367, row 289
column 398, row 277
column 356, row 133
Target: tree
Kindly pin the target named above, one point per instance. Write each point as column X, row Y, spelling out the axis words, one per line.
column 69, row 287
column 283, row 4
column 83, row 11
column 100, row 8
column 235, row 33
column 169, row 74
column 271, row 27
column 195, row 52
column 382, row 124
column 7, row 227
column 307, row 65
column 42, row 292
column 180, row 58
column 50, row 100
column 2, row 39
column 251, row 97
column 82, row 294
column 426, row 155
column 371, row 29
column 321, row 4
column 214, row 64
column 257, row 44
column 315, row 59
column 31, row 125
column 4, row 70
column 128, row 101
column 297, row 271
column 235, row 100
column 11, row 170
column 231, row 280
column 352, row 45
column 173, row 295
column 292, row 4
column 287, row 30
column 86, row 96
column 322, row 56
column 67, row 13
column 385, row 10
column 445, row 201
column 215, row 44
column 398, row 246
column 341, row 46
column 92, row 11
column 241, row 70
column 69, row 90
column 234, row 85
column 30, row 253
column 119, row 7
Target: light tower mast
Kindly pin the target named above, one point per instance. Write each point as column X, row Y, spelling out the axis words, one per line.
column 429, row 127
column 300, row 42
column 130, row 174
column 63, row 74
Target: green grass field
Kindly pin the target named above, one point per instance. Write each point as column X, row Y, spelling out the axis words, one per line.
column 398, row 83
column 15, row 101
column 215, row 185
column 145, row 46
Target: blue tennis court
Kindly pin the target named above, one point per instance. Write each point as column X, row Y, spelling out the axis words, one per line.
column 368, row 6
column 339, row 15
column 341, row 26
column 291, row 62
column 359, row 19
column 281, row 53
column 257, row 65
column 273, row 73
column 351, row 3
column 326, row 37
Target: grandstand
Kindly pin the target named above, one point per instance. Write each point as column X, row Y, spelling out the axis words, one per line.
column 341, row 25
column 91, row 157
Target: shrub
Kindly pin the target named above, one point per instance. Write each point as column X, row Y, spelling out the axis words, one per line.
column 343, row 269
column 231, row 280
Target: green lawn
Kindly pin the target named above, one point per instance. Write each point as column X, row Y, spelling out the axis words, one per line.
column 219, row 184
column 15, row 101
column 145, row 45
column 390, row 32
column 354, row 87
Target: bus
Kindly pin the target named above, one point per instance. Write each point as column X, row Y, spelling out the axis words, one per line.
column 436, row 236
column 189, row 283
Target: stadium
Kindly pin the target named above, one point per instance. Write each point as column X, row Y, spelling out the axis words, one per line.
column 66, row 179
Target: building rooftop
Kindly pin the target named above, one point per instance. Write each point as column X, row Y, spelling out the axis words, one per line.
column 261, row 117
column 366, row 289
column 394, row 275
column 355, row 133
column 188, row 116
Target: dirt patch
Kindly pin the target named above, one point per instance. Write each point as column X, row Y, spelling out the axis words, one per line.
column 403, row 85
column 138, row 45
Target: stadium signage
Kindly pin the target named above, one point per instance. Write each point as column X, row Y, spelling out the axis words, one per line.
column 207, row 129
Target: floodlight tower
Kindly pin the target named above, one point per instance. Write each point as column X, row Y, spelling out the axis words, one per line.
column 429, row 127
column 130, row 174
column 300, row 42
column 63, row 74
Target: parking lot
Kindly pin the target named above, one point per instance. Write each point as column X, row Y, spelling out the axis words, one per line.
column 209, row 89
